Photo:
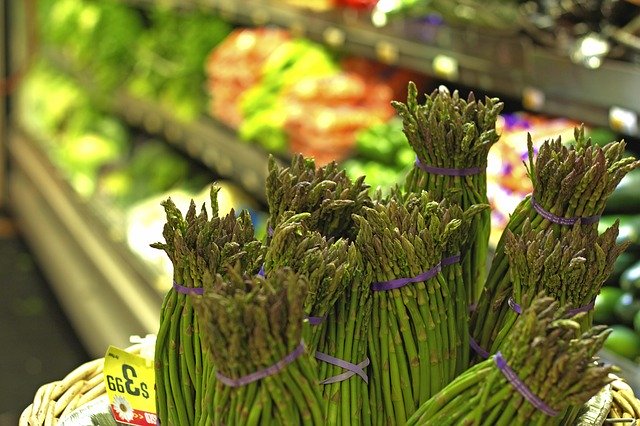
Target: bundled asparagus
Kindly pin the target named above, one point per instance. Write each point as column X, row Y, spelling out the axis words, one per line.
column 545, row 366
column 327, row 193
column 414, row 332
column 198, row 248
column 452, row 138
column 252, row 329
column 343, row 373
column 571, row 185
column 570, row 268
column 327, row 265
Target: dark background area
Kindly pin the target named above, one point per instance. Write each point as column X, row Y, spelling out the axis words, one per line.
column 38, row 345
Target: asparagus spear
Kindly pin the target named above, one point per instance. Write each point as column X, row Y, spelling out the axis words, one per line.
column 570, row 182
column 449, row 132
column 254, row 325
column 548, row 357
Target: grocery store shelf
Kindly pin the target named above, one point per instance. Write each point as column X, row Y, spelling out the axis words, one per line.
column 204, row 139
column 505, row 64
column 107, row 292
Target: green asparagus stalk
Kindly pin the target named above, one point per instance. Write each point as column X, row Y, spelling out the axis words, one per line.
column 569, row 182
column 414, row 342
column 450, row 132
column 199, row 248
column 571, row 269
column 250, row 324
column 549, row 356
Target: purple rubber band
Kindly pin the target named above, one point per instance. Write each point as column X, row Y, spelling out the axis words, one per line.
column 261, row 374
column 477, row 348
column 585, row 308
column 448, row 172
column 196, row 291
column 270, row 231
column 401, row 282
column 568, row 221
column 261, row 271
column 514, row 306
column 353, row 369
column 473, row 307
column 513, row 378
column 315, row 320
column 450, row 260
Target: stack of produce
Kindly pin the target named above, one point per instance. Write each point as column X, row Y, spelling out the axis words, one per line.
column 452, row 138
column 415, row 337
column 570, row 268
column 323, row 115
column 171, row 73
column 571, row 185
column 325, row 199
column 235, row 65
column 619, row 302
column 253, row 329
column 199, row 248
column 94, row 36
column 382, row 154
column 264, row 106
column 544, row 368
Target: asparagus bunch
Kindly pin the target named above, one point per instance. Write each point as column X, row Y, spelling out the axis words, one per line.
column 453, row 133
column 414, row 332
column 548, row 355
column 569, row 182
column 327, row 193
column 251, row 324
column 571, row 269
column 198, row 247
column 344, row 336
column 328, row 266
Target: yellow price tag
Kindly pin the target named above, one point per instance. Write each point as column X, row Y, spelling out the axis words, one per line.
column 130, row 380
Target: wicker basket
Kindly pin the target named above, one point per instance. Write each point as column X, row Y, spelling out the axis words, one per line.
column 84, row 384
column 56, row 399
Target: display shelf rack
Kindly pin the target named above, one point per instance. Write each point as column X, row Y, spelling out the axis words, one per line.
column 107, row 292
column 204, row 139
column 500, row 63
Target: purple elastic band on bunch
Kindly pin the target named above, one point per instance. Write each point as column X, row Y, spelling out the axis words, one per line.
column 513, row 378
column 196, row 291
column 261, row 374
column 450, row 260
column 585, row 308
column 568, row 221
column 448, row 172
column 353, row 369
column 401, row 282
column 315, row 320
column 571, row 312
column 477, row 348
column 514, row 306
column 270, row 231
column 261, row 271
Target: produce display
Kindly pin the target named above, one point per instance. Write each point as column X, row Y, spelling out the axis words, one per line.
column 170, row 73
column 354, row 307
column 292, row 95
column 618, row 303
column 382, row 154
